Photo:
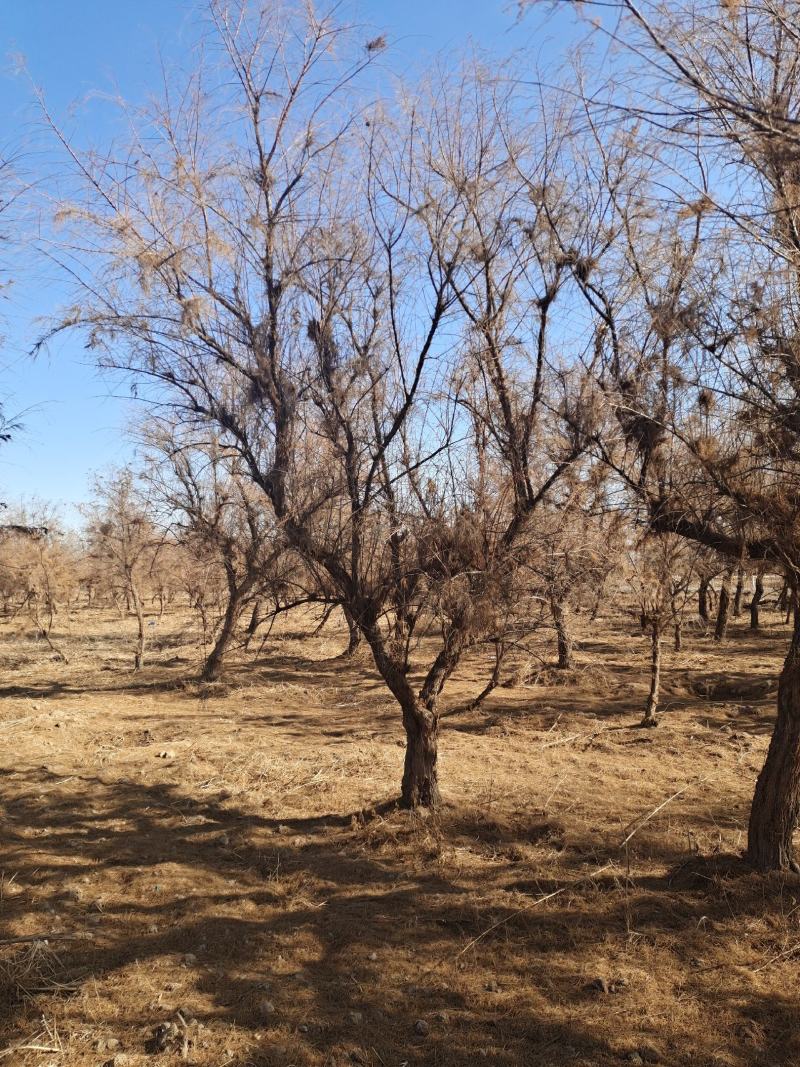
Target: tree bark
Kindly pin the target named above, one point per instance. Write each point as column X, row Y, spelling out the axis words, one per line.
column 420, row 785
column 723, row 611
column 253, row 625
column 655, row 676
column 776, row 802
column 212, row 670
column 739, row 594
column 354, row 639
column 783, row 600
column 133, row 593
column 755, row 603
column 702, row 599
column 563, row 636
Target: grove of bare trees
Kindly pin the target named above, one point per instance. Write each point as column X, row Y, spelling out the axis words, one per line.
column 455, row 358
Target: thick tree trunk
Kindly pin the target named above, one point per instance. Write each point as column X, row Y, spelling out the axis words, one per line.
column 655, row 676
column 723, row 611
column 739, row 594
column 755, row 603
column 678, row 631
column 702, row 599
column 563, row 635
column 420, row 786
column 776, row 802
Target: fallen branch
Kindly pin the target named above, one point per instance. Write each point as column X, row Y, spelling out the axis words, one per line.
column 44, row 937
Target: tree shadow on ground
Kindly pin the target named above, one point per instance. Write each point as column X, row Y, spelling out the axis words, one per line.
column 364, row 937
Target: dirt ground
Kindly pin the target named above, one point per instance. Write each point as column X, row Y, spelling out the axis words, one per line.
column 218, row 861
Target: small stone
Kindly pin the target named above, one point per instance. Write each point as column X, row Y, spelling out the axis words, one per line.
column 303, row 1028
column 356, row 1017
column 265, row 1008
column 634, row 1057
column 373, row 956
column 152, row 929
column 492, row 986
column 112, row 1043
column 190, row 958
column 166, row 754
column 421, row 1028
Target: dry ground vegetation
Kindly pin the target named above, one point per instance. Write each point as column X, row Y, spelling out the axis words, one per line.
column 207, row 874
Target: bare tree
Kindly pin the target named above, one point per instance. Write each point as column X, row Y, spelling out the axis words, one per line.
column 122, row 538
column 216, row 514
column 298, row 288
column 721, row 95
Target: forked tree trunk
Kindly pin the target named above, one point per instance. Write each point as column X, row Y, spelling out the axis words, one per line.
column 655, row 676
column 739, row 594
column 755, row 603
column 776, row 802
column 563, row 635
column 702, row 599
column 723, row 611
column 420, row 784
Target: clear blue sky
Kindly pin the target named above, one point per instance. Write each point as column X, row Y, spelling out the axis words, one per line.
column 73, row 419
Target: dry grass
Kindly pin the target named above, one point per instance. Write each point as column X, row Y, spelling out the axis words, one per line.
column 220, row 863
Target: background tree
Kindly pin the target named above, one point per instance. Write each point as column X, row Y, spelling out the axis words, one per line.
column 123, row 541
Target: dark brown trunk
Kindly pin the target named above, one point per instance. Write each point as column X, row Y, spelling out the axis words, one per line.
column 420, row 786
column 723, row 611
column 563, row 636
column 138, row 659
column 783, row 600
column 678, row 643
column 776, row 802
column 212, row 669
column 354, row 639
column 702, row 599
column 755, row 603
column 253, row 625
column 494, row 678
column 739, row 594
column 655, row 676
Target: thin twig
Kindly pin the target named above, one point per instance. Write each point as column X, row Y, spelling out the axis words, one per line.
column 637, row 824
column 529, row 905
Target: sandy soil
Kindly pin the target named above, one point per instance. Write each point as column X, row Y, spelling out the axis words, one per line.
column 216, row 861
